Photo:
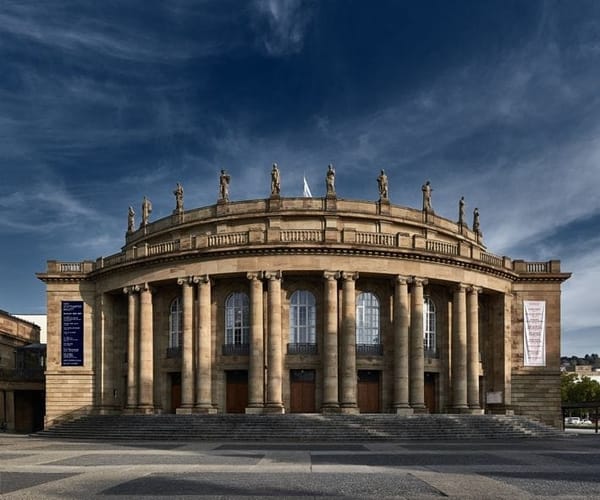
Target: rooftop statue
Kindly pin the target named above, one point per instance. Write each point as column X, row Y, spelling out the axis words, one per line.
column 461, row 211
column 382, row 183
column 275, row 181
column 178, row 199
column 131, row 220
column 476, row 226
column 426, row 188
column 224, row 180
column 330, row 181
column 146, row 211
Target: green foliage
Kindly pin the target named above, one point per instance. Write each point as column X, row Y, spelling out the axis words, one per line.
column 576, row 390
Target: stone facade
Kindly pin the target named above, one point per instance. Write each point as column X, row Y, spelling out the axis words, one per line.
column 303, row 305
column 21, row 374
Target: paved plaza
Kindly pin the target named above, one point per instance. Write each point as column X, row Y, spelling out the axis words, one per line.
column 39, row 468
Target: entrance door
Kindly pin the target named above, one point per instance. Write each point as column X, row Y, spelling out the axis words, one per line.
column 302, row 391
column 368, row 391
column 430, row 398
column 175, row 391
column 237, row 391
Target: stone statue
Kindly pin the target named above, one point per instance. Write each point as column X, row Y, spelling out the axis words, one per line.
column 275, row 181
column 178, row 199
column 224, row 180
column 382, row 182
column 131, row 220
column 426, row 188
column 330, row 181
column 461, row 211
column 146, row 211
column 476, row 226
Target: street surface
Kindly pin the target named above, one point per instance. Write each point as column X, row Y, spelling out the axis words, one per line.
column 41, row 468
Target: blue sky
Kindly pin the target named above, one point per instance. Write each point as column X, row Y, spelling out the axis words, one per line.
column 103, row 103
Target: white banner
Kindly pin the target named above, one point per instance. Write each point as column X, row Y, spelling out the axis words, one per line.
column 535, row 333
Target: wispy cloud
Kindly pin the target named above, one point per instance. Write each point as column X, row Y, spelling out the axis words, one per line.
column 281, row 25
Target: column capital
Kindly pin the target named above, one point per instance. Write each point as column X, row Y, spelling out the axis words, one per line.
column 200, row 280
column 461, row 287
column 402, row 280
column 187, row 280
column 331, row 275
column 145, row 287
column 255, row 276
column 475, row 289
column 272, row 275
column 349, row 276
column 131, row 289
column 416, row 281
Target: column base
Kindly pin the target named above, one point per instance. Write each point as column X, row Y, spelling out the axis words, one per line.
column 205, row 410
column 330, row 408
column 145, row 410
column 274, row 409
column 254, row 410
column 129, row 410
column 186, row 410
column 460, row 409
column 349, row 410
column 403, row 410
column 476, row 411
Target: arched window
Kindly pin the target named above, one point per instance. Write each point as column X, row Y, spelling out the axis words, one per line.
column 175, row 323
column 367, row 319
column 303, row 318
column 237, row 319
column 429, row 327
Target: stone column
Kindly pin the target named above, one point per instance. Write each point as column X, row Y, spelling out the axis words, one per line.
column 330, row 344
column 132, row 347
column 204, row 342
column 146, row 395
column 459, row 349
column 348, row 347
column 187, row 346
column 275, row 358
column 473, row 349
column 256, row 363
column 401, row 341
column 417, row 355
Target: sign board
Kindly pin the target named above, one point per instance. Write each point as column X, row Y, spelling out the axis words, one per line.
column 534, row 349
column 72, row 332
column 494, row 398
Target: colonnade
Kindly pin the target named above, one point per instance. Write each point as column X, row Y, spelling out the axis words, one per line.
column 339, row 346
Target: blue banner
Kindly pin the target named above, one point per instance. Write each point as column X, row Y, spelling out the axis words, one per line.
column 72, row 333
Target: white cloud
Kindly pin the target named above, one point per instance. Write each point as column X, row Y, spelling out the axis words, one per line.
column 287, row 21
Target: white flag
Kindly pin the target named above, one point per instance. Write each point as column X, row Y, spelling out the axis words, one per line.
column 307, row 193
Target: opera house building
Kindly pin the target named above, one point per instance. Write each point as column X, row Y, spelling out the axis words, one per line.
column 307, row 305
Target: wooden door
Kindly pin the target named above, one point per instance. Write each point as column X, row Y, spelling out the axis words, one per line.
column 302, row 391
column 368, row 391
column 430, row 392
column 175, row 391
column 237, row 391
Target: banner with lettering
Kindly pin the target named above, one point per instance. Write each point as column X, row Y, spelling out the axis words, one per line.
column 72, row 332
column 535, row 333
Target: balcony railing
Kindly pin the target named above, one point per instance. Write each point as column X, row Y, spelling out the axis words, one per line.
column 369, row 349
column 431, row 353
column 236, row 349
column 22, row 374
column 301, row 348
column 174, row 352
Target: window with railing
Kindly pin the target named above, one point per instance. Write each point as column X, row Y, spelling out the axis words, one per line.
column 429, row 328
column 368, row 337
column 303, row 323
column 237, row 323
column 175, row 319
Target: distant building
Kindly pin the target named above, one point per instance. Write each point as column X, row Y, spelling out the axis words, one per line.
column 22, row 363
column 37, row 319
column 304, row 305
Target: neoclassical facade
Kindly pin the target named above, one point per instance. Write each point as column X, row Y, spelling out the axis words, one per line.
column 303, row 305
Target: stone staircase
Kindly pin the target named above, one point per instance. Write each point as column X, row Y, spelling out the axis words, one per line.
column 300, row 428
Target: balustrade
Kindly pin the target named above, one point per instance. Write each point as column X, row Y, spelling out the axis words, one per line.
column 227, row 239
column 442, row 247
column 377, row 239
column 302, row 235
